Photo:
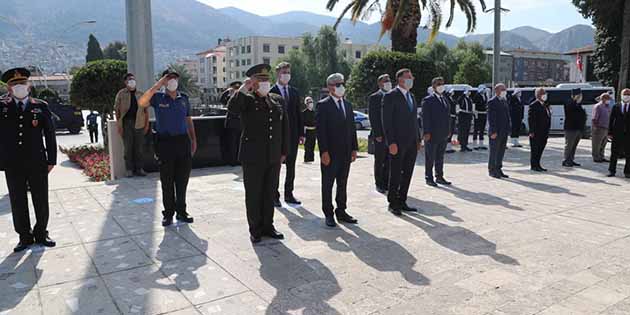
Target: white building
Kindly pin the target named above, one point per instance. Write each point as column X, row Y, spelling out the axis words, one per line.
column 212, row 70
column 58, row 82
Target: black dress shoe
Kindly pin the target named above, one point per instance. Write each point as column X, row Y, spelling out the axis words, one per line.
column 46, row 241
column 536, row 169
column 22, row 245
column 273, row 233
column 576, row 164
column 342, row 216
column 442, row 181
column 167, row 220
column 495, row 175
column 277, row 204
column 407, row 208
column 567, row 164
column 431, row 183
column 292, row 200
column 255, row 239
column 395, row 210
column 449, row 151
column 543, row 169
column 381, row 190
column 611, row 175
column 483, row 148
column 185, row 217
column 502, row 175
column 330, row 221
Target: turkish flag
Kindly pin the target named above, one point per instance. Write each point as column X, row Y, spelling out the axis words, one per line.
column 578, row 62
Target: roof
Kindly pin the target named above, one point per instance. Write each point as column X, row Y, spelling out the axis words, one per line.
column 491, row 52
column 581, row 50
column 55, row 77
column 535, row 52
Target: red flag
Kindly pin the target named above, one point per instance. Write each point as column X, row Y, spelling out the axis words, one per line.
column 578, row 62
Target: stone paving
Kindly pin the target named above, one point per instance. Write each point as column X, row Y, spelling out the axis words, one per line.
column 553, row 243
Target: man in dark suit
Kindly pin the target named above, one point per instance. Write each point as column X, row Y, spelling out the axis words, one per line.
column 436, row 122
column 517, row 111
column 381, row 165
column 264, row 144
column 574, row 124
column 449, row 96
column 28, row 152
column 232, row 138
column 481, row 105
column 402, row 135
column 464, row 111
column 499, row 128
column 619, row 131
column 296, row 130
column 539, row 117
column 338, row 146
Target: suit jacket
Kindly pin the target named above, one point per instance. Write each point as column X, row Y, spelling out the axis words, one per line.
column 375, row 109
column 539, row 118
column 400, row 124
column 335, row 134
column 436, row 116
column 28, row 137
column 498, row 117
column 619, row 122
column 265, row 127
column 294, row 113
column 574, row 116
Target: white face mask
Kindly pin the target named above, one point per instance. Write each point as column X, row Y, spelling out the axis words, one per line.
column 544, row 97
column 285, row 78
column 131, row 84
column 309, row 106
column 172, row 85
column 467, row 93
column 626, row 98
column 440, row 89
column 578, row 99
column 340, row 91
column 387, row 86
column 264, row 88
column 503, row 94
column 408, row 84
column 20, row 91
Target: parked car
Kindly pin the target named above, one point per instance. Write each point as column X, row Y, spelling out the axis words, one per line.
column 67, row 117
column 361, row 120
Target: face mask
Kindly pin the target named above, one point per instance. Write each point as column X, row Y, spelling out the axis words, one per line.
column 340, row 91
column 409, row 84
column 387, row 86
column 578, row 99
column 544, row 97
column 503, row 94
column 285, row 78
column 131, row 84
column 20, row 91
column 626, row 98
column 440, row 89
column 172, row 85
column 264, row 88
column 309, row 106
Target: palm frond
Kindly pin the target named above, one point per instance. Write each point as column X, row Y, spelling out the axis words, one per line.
column 330, row 5
column 343, row 13
column 435, row 19
column 358, row 8
column 451, row 14
column 471, row 16
column 375, row 5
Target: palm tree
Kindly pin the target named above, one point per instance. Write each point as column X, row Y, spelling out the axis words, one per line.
column 402, row 17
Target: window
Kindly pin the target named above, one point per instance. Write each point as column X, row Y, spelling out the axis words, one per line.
column 214, row 59
column 249, row 62
column 249, row 49
column 281, row 49
column 243, row 62
column 243, row 50
column 266, row 48
column 243, row 74
column 223, row 70
column 357, row 54
column 214, row 69
column 238, row 63
column 214, row 81
column 266, row 61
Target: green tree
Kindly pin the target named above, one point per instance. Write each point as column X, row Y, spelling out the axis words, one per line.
column 186, row 83
column 95, row 85
column 116, row 50
column 3, row 88
column 402, row 17
column 444, row 62
column 365, row 73
column 94, row 51
column 472, row 71
column 612, row 39
column 299, row 75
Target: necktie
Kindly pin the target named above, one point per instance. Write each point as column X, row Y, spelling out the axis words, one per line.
column 625, row 111
column 340, row 107
column 286, row 94
column 22, row 106
column 409, row 101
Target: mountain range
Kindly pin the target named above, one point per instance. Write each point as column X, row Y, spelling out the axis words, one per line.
column 183, row 27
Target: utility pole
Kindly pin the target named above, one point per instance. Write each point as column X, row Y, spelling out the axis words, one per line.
column 496, row 53
column 140, row 42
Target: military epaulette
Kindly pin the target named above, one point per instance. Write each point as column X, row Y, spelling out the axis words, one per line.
column 38, row 101
column 274, row 96
column 5, row 99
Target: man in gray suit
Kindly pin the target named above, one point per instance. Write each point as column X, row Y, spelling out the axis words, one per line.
column 499, row 130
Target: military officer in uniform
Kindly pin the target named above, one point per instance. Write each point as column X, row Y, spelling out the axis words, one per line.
column 310, row 130
column 28, row 152
column 264, row 145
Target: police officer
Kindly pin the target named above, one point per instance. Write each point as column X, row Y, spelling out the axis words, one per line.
column 92, row 125
column 26, row 157
column 310, row 131
column 381, row 151
column 480, row 100
column 232, row 127
column 452, row 106
column 464, row 111
column 517, row 113
column 176, row 143
column 264, row 145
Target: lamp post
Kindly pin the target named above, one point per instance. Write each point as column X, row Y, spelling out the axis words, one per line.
column 496, row 53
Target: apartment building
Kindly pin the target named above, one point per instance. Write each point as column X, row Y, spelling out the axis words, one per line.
column 212, row 70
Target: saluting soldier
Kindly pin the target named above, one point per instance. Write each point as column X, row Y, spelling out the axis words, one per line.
column 28, row 152
column 264, row 145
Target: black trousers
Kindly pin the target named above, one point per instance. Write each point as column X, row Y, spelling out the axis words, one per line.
column 309, row 145
column 335, row 173
column 620, row 147
column 258, row 180
column 463, row 132
column 133, row 142
column 516, row 119
column 480, row 127
column 18, row 179
column 538, row 144
column 453, row 123
column 497, row 152
column 290, row 174
column 93, row 134
column 434, row 156
column 401, row 168
column 175, row 162
column 232, row 145
column 381, row 164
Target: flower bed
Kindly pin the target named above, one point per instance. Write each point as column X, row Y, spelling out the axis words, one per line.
column 92, row 159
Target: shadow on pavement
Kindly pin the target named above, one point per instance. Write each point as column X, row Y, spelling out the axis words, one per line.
column 543, row 187
column 480, row 198
column 12, row 266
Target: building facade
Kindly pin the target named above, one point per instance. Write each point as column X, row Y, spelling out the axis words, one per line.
column 506, row 66
column 58, row 82
column 532, row 68
column 212, row 70
column 586, row 74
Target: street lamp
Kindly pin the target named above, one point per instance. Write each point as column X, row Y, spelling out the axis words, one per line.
column 496, row 53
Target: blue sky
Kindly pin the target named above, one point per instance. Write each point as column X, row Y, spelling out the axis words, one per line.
column 550, row 15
